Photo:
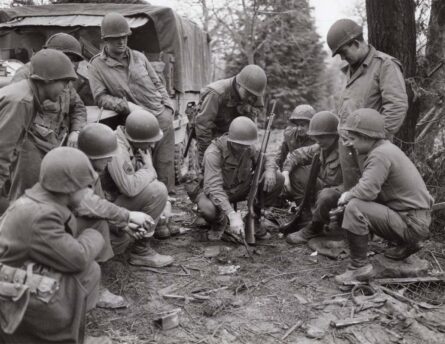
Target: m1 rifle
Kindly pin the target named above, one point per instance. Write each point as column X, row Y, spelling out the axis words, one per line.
column 259, row 168
column 294, row 225
column 191, row 112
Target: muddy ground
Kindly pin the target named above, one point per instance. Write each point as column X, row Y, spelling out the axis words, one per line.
column 223, row 296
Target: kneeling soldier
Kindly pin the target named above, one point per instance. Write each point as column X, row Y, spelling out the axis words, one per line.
column 390, row 199
column 229, row 163
column 323, row 129
column 40, row 235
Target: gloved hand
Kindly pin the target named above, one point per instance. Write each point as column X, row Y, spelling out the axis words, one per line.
column 344, row 198
column 269, row 178
column 236, row 223
column 287, row 186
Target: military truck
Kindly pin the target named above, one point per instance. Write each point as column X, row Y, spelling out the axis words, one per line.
column 177, row 47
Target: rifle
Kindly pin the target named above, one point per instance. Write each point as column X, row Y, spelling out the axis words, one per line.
column 251, row 215
column 191, row 112
column 292, row 226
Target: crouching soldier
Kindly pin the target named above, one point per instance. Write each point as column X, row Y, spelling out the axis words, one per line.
column 323, row 129
column 229, row 163
column 390, row 199
column 295, row 135
column 40, row 235
column 130, row 181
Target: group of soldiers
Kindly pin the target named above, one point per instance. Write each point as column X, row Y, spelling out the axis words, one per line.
column 81, row 193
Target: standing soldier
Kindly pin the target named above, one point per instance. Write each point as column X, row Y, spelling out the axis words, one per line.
column 390, row 199
column 374, row 80
column 119, row 75
column 224, row 100
column 33, row 121
column 229, row 163
column 43, row 247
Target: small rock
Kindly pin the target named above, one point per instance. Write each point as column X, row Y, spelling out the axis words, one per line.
column 228, row 270
column 211, row 251
column 314, row 332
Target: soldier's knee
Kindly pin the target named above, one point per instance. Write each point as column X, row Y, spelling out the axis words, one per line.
column 355, row 208
column 206, row 208
column 159, row 191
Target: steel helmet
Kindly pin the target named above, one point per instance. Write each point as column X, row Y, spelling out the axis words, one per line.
column 253, row 78
column 51, row 65
column 66, row 44
column 342, row 32
column 242, row 130
column 323, row 123
column 114, row 25
column 66, row 170
column 142, row 126
column 302, row 112
column 97, row 141
column 368, row 122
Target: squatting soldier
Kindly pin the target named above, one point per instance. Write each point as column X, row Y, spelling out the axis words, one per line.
column 295, row 134
column 28, row 127
column 323, row 129
column 118, row 75
column 130, row 182
column 390, row 199
column 224, row 100
column 374, row 80
column 229, row 163
column 39, row 234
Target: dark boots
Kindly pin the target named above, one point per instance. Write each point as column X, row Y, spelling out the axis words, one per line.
column 311, row 230
column 402, row 251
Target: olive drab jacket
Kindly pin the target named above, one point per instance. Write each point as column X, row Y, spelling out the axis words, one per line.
column 390, row 178
column 330, row 173
column 225, row 172
column 38, row 229
column 113, row 83
column 126, row 173
column 219, row 105
column 378, row 84
column 291, row 141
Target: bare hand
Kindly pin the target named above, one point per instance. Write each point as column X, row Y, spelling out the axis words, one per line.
column 146, row 158
column 269, row 178
column 139, row 219
column 236, row 223
column 72, row 139
column 287, row 186
column 344, row 198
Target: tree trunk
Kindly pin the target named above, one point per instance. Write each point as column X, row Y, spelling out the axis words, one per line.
column 392, row 30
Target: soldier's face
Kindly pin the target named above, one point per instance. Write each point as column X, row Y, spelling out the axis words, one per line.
column 246, row 96
column 300, row 126
column 350, row 53
column 325, row 141
column 100, row 165
column 76, row 197
column 53, row 89
column 362, row 144
column 116, row 45
column 238, row 149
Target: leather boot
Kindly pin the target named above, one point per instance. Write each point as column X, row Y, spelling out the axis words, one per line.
column 109, row 300
column 143, row 254
column 311, row 230
column 359, row 269
column 403, row 251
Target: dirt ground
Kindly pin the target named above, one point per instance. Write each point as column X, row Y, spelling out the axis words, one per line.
column 223, row 296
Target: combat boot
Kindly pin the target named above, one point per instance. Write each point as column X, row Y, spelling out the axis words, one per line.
column 311, row 230
column 143, row 254
column 109, row 300
column 217, row 228
column 359, row 269
column 403, row 251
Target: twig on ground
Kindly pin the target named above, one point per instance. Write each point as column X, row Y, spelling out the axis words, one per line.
column 292, row 329
column 355, row 321
column 145, row 268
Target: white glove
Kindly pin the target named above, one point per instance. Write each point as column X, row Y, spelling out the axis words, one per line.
column 236, row 223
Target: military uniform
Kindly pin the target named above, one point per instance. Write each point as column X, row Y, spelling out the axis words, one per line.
column 291, row 142
column 328, row 186
column 37, row 229
column 378, row 84
column 30, row 129
column 390, row 199
column 219, row 104
column 113, row 83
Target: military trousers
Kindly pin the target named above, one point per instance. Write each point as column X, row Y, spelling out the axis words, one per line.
column 164, row 150
column 298, row 177
column 350, row 165
column 326, row 200
column 364, row 217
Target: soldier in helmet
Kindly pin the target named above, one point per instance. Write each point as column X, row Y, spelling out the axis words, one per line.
column 224, row 100
column 374, row 80
column 41, row 241
column 295, row 135
column 390, row 199
column 228, row 167
column 28, row 130
column 119, row 75
column 328, row 188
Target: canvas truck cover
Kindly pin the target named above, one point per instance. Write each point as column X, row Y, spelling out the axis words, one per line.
column 175, row 35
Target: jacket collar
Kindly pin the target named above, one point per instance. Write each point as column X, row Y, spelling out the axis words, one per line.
column 362, row 68
column 38, row 194
column 111, row 61
column 122, row 139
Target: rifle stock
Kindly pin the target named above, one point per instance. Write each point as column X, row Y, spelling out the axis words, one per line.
column 251, row 215
column 292, row 226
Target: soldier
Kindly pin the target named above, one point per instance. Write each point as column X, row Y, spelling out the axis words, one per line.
column 31, row 122
column 118, row 75
column 390, row 199
column 130, row 182
column 323, row 129
column 374, row 80
column 295, row 134
column 228, row 167
column 40, row 235
column 224, row 100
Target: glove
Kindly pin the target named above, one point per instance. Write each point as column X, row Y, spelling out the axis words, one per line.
column 236, row 223
column 269, row 178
